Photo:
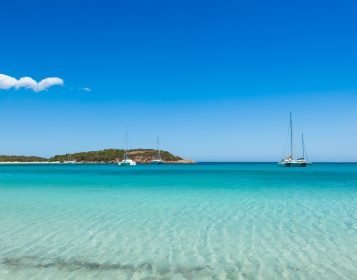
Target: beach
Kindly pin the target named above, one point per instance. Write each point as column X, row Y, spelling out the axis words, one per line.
column 201, row 221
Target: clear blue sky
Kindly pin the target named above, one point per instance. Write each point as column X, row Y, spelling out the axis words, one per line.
column 215, row 80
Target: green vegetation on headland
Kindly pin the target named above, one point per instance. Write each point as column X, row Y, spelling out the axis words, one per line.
column 21, row 159
column 102, row 156
column 114, row 155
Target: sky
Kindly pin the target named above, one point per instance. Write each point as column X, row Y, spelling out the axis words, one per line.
column 215, row 80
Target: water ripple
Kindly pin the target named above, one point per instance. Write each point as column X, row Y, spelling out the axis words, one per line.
column 75, row 264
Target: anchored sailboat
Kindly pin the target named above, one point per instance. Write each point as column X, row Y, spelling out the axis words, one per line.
column 158, row 159
column 289, row 160
column 126, row 161
column 69, row 160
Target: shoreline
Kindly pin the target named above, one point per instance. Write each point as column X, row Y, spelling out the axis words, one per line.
column 90, row 162
column 29, row 162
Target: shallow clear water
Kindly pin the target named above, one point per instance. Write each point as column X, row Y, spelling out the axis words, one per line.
column 204, row 221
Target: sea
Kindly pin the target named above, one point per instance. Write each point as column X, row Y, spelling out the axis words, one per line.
column 178, row 221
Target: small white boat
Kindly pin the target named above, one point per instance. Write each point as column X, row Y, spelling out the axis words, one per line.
column 69, row 160
column 126, row 161
column 158, row 159
column 289, row 160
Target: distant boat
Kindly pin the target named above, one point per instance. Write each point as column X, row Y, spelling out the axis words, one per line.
column 289, row 160
column 158, row 159
column 126, row 161
column 69, row 160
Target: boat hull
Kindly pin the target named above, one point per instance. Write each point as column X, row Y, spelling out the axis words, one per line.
column 70, row 162
column 127, row 163
column 157, row 162
column 293, row 164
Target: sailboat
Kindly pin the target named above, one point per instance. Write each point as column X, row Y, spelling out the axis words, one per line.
column 69, row 160
column 126, row 161
column 289, row 160
column 158, row 159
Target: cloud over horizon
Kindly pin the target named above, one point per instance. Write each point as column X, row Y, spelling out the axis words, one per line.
column 8, row 82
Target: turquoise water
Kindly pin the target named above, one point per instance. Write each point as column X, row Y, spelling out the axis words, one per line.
column 204, row 221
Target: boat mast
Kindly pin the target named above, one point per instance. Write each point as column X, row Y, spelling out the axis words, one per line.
column 303, row 145
column 291, row 137
column 158, row 148
column 126, row 144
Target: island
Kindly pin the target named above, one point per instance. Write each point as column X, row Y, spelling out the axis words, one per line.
column 141, row 156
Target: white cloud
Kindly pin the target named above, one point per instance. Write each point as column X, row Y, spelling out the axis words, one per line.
column 87, row 89
column 7, row 82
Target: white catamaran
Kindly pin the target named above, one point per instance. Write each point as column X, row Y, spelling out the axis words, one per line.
column 289, row 160
column 126, row 161
column 158, row 159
